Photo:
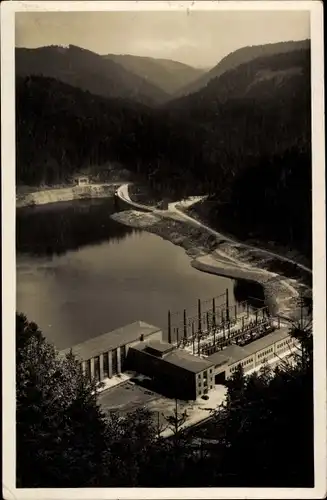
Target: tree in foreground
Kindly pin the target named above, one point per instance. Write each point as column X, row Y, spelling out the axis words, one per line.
column 60, row 428
column 64, row 440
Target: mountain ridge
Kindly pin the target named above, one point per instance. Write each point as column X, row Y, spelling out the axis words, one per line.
column 238, row 57
column 87, row 70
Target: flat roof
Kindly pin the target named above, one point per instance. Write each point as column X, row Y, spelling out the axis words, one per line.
column 180, row 358
column 234, row 353
column 111, row 340
column 160, row 346
column 187, row 361
column 267, row 340
column 219, row 358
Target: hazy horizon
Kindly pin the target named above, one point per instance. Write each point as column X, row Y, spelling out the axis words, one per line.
column 200, row 39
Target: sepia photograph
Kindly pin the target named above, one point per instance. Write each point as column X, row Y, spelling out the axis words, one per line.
column 164, row 322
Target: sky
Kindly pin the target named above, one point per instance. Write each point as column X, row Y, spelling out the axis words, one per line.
column 200, row 39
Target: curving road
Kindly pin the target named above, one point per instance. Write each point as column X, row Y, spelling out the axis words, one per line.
column 122, row 193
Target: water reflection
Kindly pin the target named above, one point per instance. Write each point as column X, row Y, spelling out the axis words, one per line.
column 57, row 228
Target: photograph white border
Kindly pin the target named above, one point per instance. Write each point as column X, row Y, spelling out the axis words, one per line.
column 8, row 10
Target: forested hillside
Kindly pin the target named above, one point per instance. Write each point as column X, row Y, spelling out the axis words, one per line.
column 270, row 201
column 241, row 56
column 257, row 123
column 262, row 107
column 61, row 129
column 88, row 71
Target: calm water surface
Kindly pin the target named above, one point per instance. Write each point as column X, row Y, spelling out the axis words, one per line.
column 80, row 274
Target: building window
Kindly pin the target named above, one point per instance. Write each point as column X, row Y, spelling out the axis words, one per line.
column 114, row 362
column 105, row 365
column 88, row 369
column 97, row 368
column 122, row 356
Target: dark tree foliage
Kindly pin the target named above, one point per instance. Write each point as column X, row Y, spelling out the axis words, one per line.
column 271, row 200
column 267, row 428
column 60, row 428
column 61, row 129
column 274, row 198
column 63, row 438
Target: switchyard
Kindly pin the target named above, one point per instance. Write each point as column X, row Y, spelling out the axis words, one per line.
column 217, row 325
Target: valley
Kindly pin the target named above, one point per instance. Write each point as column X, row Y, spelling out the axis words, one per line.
column 242, row 147
column 164, row 249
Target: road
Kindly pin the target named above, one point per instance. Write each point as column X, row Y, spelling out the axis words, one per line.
column 123, row 194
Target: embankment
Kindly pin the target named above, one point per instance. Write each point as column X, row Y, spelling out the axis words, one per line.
column 69, row 193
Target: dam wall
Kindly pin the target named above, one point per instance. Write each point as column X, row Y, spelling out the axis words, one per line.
column 70, row 193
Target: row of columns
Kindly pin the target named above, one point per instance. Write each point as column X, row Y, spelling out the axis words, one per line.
column 101, row 364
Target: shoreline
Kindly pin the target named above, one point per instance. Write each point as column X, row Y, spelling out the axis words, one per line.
column 66, row 193
column 221, row 257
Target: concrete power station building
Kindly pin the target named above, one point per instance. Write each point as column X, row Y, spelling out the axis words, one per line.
column 175, row 371
column 139, row 347
column 105, row 356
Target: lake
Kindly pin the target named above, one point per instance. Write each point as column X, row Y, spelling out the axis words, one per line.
column 81, row 274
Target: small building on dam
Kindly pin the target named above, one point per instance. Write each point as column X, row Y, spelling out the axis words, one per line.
column 139, row 347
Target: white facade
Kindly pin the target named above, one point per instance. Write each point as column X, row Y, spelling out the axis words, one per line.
column 82, row 180
column 265, row 355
